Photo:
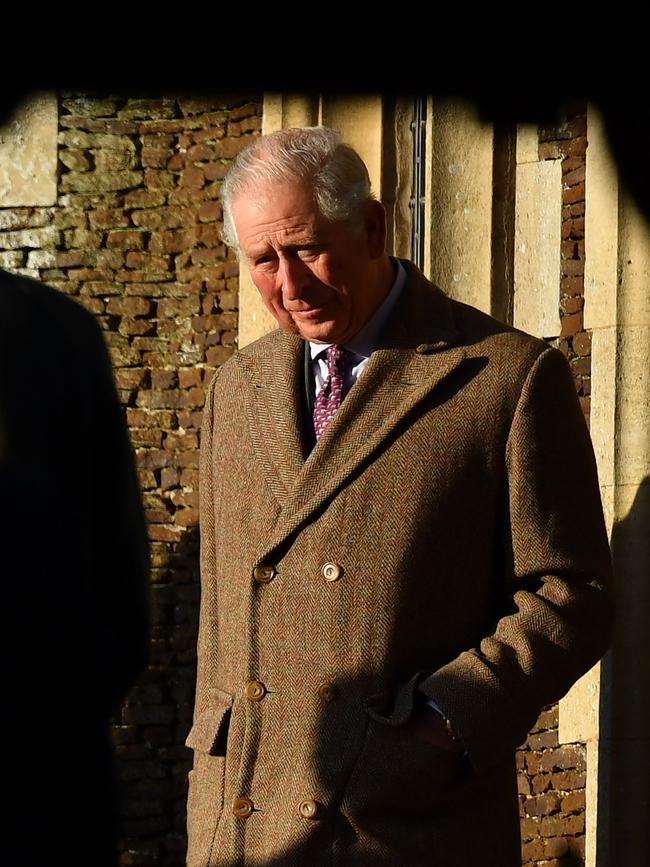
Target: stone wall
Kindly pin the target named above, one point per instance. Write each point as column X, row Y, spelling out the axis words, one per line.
column 551, row 776
column 135, row 237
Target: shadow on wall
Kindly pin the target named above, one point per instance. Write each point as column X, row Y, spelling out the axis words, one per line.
column 624, row 746
column 150, row 731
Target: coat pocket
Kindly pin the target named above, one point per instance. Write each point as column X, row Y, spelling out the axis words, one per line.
column 209, row 732
column 208, row 738
column 399, row 779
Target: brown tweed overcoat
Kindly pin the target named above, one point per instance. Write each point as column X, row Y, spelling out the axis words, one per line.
column 445, row 534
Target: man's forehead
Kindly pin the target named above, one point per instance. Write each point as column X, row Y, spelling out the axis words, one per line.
column 266, row 195
column 264, row 237
column 272, row 215
column 282, row 210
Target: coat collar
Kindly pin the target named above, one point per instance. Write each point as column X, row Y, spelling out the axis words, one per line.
column 423, row 320
column 418, row 350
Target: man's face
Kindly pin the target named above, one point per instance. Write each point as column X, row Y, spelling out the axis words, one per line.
column 318, row 278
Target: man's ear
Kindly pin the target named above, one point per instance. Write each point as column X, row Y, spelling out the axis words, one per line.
column 375, row 228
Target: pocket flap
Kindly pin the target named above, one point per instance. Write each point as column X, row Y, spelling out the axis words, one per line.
column 206, row 735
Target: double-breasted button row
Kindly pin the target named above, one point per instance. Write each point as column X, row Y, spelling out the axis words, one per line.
column 255, row 690
column 310, row 808
column 264, row 573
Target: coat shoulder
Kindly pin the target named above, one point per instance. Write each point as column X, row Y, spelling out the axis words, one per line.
column 228, row 375
column 273, row 341
column 254, row 353
column 482, row 330
column 431, row 314
column 508, row 354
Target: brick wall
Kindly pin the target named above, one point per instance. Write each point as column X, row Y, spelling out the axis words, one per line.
column 135, row 237
column 552, row 777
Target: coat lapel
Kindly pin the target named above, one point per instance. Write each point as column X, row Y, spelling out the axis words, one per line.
column 416, row 355
column 275, row 413
column 391, row 387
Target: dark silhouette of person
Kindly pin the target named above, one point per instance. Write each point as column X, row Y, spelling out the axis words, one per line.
column 74, row 565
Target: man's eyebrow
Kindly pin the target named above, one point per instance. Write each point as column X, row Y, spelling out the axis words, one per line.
column 294, row 246
column 255, row 252
column 304, row 245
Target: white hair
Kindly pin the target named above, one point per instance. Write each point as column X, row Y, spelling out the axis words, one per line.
column 315, row 155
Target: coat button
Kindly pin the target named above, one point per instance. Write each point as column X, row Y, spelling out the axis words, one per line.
column 327, row 691
column 255, row 690
column 264, row 574
column 332, row 571
column 309, row 809
column 242, row 808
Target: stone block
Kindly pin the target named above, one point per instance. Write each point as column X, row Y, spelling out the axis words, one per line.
column 148, row 109
column 74, row 159
column 108, row 218
column 115, row 160
column 48, row 236
column 41, row 259
column 128, row 239
column 28, row 153
column 12, row 259
column 157, row 158
column 27, row 218
column 144, row 199
column 92, row 107
column 527, row 143
column 85, row 182
column 164, row 218
column 101, row 141
column 579, row 709
column 537, row 248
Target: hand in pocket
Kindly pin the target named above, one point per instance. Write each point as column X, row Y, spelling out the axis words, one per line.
column 428, row 725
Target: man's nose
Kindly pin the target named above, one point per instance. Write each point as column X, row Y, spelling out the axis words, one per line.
column 294, row 276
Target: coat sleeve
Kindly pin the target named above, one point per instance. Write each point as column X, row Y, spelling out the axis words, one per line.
column 556, row 619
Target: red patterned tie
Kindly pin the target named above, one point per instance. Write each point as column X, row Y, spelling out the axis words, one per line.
column 330, row 396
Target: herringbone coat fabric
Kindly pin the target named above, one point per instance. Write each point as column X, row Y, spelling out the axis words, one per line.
column 455, row 497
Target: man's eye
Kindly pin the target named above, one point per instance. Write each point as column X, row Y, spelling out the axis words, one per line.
column 264, row 263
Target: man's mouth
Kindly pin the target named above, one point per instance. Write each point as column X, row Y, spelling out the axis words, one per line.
column 310, row 313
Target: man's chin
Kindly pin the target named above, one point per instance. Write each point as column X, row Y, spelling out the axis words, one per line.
column 313, row 333
column 317, row 332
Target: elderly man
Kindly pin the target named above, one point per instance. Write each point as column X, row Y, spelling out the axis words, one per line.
column 403, row 550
